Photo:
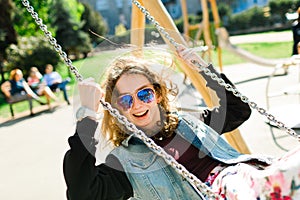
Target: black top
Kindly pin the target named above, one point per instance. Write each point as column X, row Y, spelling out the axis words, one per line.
column 16, row 87
column 296, row 36
column 85, row 181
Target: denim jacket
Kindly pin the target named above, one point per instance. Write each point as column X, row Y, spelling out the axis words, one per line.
column 152, row 178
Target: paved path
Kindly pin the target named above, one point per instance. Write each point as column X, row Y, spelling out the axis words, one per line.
column 32, row 149
column 263, row 37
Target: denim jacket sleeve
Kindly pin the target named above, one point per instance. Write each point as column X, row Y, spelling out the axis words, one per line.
column 232, row 111
column 84, row 180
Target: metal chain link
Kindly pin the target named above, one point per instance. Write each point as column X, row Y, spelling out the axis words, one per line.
column 220, row 81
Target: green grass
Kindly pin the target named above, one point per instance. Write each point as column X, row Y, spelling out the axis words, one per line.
column 90, row 67
column 274, row 50
column 95, row 66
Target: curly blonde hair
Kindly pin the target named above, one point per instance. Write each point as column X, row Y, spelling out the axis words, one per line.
column 115, row 131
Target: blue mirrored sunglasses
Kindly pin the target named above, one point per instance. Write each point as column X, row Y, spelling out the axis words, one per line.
column 146, row 95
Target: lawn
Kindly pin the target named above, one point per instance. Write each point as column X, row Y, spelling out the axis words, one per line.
column 267, row 50
column 95, row 66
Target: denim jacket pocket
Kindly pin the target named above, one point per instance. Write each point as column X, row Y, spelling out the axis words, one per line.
column 143, row 161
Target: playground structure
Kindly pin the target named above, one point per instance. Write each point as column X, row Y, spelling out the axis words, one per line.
column 222, row 35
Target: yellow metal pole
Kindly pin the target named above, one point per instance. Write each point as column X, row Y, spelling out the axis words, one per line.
column 217, row 26
column 137, row 36
column 206, row 30
column 185, row 19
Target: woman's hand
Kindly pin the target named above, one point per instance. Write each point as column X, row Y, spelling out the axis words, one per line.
column 190, row 55
column 90, row 94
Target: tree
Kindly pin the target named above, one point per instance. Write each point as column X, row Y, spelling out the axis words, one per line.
column 31, row 51
column 278, row 9
column 230, row 3
column 94, row 22
column 25, row 24
column 67, row 23
column 8, row 34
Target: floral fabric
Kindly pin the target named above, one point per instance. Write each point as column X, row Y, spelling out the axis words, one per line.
column 279, row 181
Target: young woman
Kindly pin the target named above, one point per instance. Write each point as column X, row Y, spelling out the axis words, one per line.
column 131, row 169
column 37, row 84
column 16, row 88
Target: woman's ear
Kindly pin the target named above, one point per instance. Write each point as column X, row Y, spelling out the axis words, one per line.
column 158, row 99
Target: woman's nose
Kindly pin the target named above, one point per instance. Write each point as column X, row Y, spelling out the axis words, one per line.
column 137, row 103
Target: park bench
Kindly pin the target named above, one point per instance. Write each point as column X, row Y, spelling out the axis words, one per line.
column 11, row 102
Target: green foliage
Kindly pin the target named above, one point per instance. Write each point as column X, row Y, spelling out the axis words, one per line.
column 68, row 30
column 193, row 19
column 23, row 22
column 31, row 51
column 224, row 11
column 248, row 19
column 75, row 9
column 255, row 19
column 94, row 22
column 278, row 9
column 7, row 32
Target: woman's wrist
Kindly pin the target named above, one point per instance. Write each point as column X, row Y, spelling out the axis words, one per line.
column 84, row 112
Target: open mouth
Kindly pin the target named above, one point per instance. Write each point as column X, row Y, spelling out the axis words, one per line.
column 141, row 114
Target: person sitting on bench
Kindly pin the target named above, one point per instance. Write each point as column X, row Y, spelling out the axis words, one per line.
column 37, row 84
column 54, row 81
column 16, row 89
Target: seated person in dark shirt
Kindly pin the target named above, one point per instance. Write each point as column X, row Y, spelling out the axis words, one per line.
column 16, row 88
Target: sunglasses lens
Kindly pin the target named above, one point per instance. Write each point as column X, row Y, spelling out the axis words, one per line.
column 146, row 95
column 125, row 102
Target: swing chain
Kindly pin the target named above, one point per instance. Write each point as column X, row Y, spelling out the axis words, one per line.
column 245, row 99
column 52, row 40
column 220, row 81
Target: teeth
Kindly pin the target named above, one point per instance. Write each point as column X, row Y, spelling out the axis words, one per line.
column 140, row 114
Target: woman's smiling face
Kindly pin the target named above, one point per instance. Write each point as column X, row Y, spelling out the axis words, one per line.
column 143, row 115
